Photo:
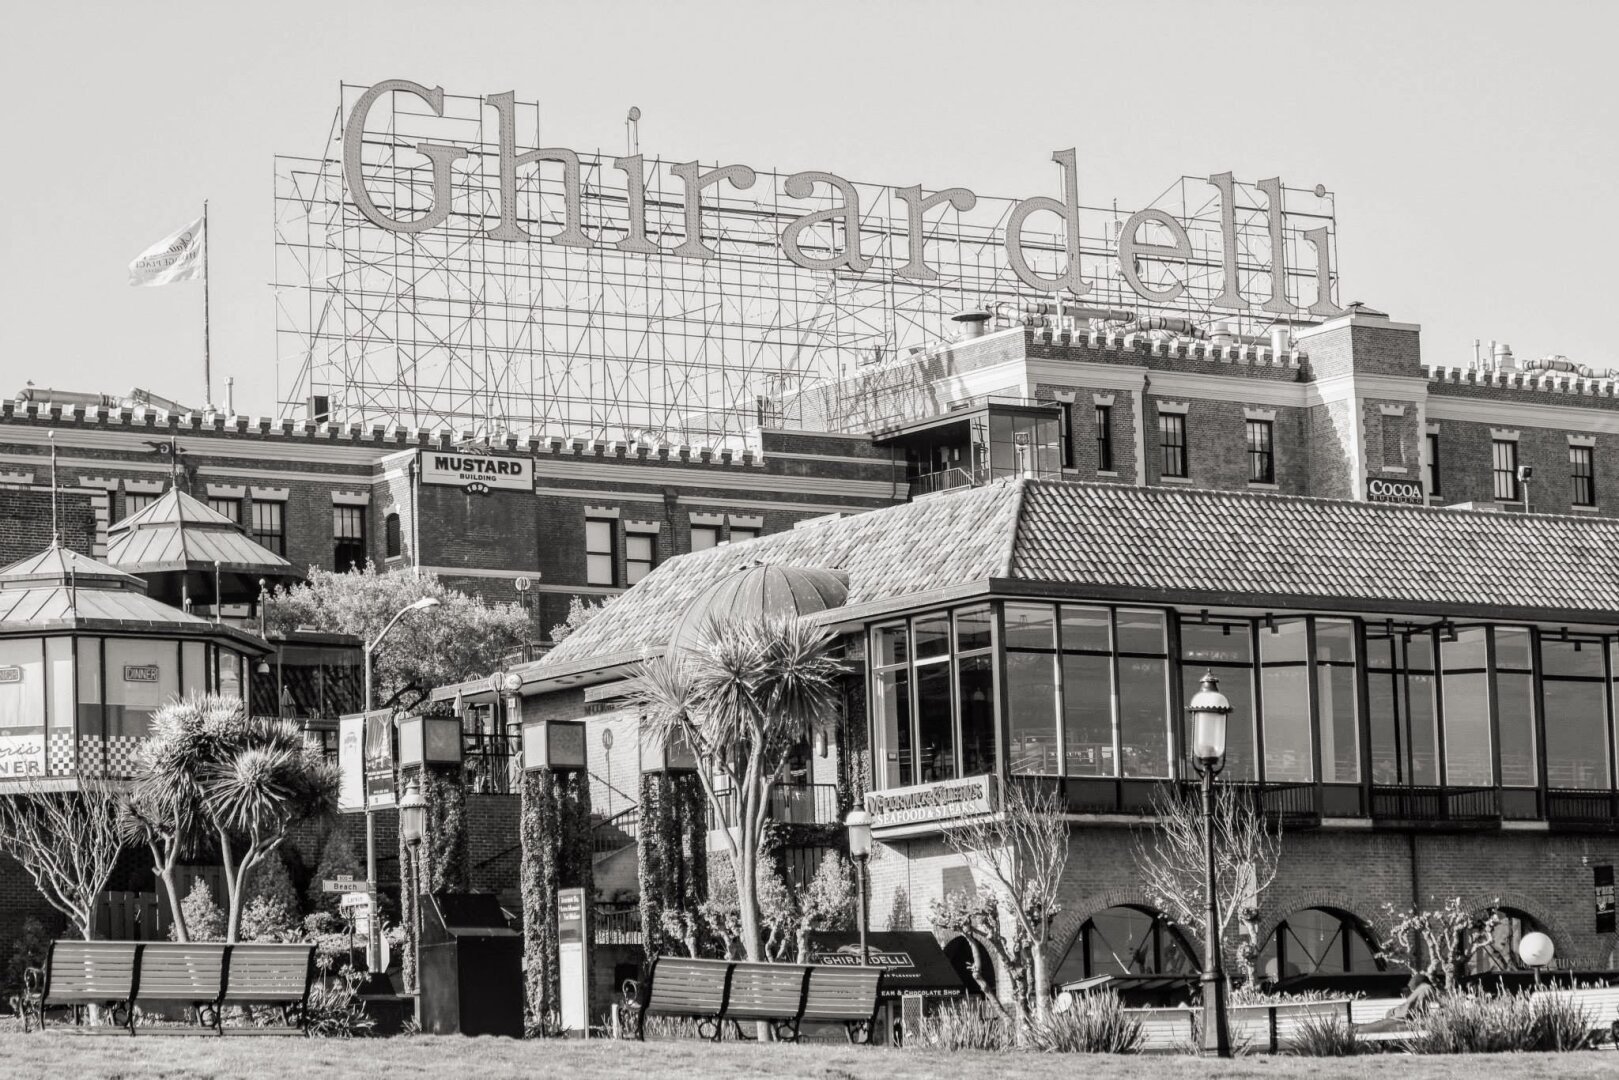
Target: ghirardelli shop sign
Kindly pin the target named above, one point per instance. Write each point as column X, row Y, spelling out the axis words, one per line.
column 477, row 473
column 833, row 208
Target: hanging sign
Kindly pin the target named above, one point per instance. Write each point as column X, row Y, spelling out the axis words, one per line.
column 477, row 473
column 11, row 673
column 943, row 801
column 351, row 764
column 1381, row 489
column 141, row 673
column 1602, row 877
column 379, row 758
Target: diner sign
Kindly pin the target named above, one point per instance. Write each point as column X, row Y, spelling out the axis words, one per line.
column 141, row 673
column 477, row 473
column 11, row 673
column 945, row 800
column 22, row 757
column 693, row 190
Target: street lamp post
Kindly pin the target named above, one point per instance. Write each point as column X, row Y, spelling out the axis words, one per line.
column 1209, row 710
column 858, row 823
column 372, row 938
column 413, row 826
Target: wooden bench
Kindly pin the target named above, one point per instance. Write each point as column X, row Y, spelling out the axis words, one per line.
column 81, row 973
column 207, row 976
column 786, row 996
column 844, row 995
column 772, row 993
column 1164, row 1029
column 1270, row 1027
column 679, row 987
column 279, row 976
column 1601, row 1005
column 183, row 973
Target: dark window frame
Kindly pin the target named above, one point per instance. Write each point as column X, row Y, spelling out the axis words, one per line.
column 393, row 537
column 1172, row 458
column 349, row 547
column 265, row 536
column 610, row 551
column 631, row 563
column 1104, row 438
column 1433, row 462
column 1261, row 439
column 1504, row 470
column 1582, row 473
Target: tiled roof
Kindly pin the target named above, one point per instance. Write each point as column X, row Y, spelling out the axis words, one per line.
column 177, row 532
column 920, row 546
column 1163, row 544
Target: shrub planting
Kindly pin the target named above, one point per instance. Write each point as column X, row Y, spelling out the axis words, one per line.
column 1324, row 1035
column 1473, row 1023
column 1095, row 1024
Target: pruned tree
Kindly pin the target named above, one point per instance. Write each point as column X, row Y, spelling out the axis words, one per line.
column 828, row 903
column 1439, row 941
column 463, row 638
column 742, row 698
column 209, row 770
column 68, row 842
column 1020, row 852
column 1169, row 858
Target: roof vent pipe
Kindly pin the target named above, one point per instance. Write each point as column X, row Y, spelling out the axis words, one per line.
column 1281, row 340
column 1502, row 353
column 973, row 323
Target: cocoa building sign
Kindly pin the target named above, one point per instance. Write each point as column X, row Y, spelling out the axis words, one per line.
column 829, row 237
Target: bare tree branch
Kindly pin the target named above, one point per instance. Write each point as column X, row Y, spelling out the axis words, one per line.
column 67, row 842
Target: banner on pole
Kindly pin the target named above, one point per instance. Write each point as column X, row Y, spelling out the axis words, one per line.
column 176, row 257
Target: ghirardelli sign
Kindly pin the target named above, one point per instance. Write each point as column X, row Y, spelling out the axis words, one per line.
column 1151, row 235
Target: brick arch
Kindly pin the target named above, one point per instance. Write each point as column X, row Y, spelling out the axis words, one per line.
column 1065, row 931
column 1479, row 905
column 1280, row 905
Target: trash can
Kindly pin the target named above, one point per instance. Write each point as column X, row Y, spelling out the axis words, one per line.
column 471, row 967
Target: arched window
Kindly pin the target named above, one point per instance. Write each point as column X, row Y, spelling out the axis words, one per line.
column 1500, row 953
column 1318, row 941
column 390, row 530
column 1126, row 940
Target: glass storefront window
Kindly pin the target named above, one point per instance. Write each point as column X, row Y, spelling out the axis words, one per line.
column 1031, row 688
column 1226, row 649
column 1335, row 701
column 1403, row 705
column 891, row 706
column 1577, row 754
column 1468, row 747
column 141, row 676
column 1515, row 705
column 1144, row 703
column 22, row 709
column 975, row 688
column 1285, row 700
column 934, row 697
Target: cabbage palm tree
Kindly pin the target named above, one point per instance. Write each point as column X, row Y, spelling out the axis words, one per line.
column 742, row 697
column 210, row 772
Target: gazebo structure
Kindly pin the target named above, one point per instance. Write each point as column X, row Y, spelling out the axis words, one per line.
column 86, row 657
column 190, row 554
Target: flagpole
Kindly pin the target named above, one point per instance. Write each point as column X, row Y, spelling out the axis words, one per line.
column 207, row 358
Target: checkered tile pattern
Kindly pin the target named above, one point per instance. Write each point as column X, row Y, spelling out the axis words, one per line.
column 59, row 756
column 120, row 755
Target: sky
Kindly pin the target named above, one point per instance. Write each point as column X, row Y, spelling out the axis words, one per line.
column 1471, row 146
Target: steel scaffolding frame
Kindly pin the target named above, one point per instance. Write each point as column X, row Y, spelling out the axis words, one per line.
column 451, row 329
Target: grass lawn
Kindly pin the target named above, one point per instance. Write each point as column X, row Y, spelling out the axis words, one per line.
column 64, row 1056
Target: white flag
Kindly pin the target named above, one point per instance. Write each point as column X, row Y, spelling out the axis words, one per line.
column 176, row 257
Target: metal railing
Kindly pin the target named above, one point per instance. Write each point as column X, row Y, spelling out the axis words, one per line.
column 945, row 480
column 493, row 763
column 617, row 926
column 619, row 831
column 1581, row 806
column 793, row 804
column 1436, row 803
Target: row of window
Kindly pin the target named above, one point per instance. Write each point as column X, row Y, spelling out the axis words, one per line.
column 603, row 539
column 1091, row 692
column 1507, row 480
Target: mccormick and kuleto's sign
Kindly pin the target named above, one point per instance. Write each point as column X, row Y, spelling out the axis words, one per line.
column 1151, row 234
column 942, row 801
column 478, row 473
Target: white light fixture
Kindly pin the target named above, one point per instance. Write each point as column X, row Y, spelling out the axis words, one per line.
column 858, row 822
column 412, row 814
column 1209, row 709
column 1536, row 950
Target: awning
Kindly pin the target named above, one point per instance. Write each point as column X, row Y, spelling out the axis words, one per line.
column 913, row 959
